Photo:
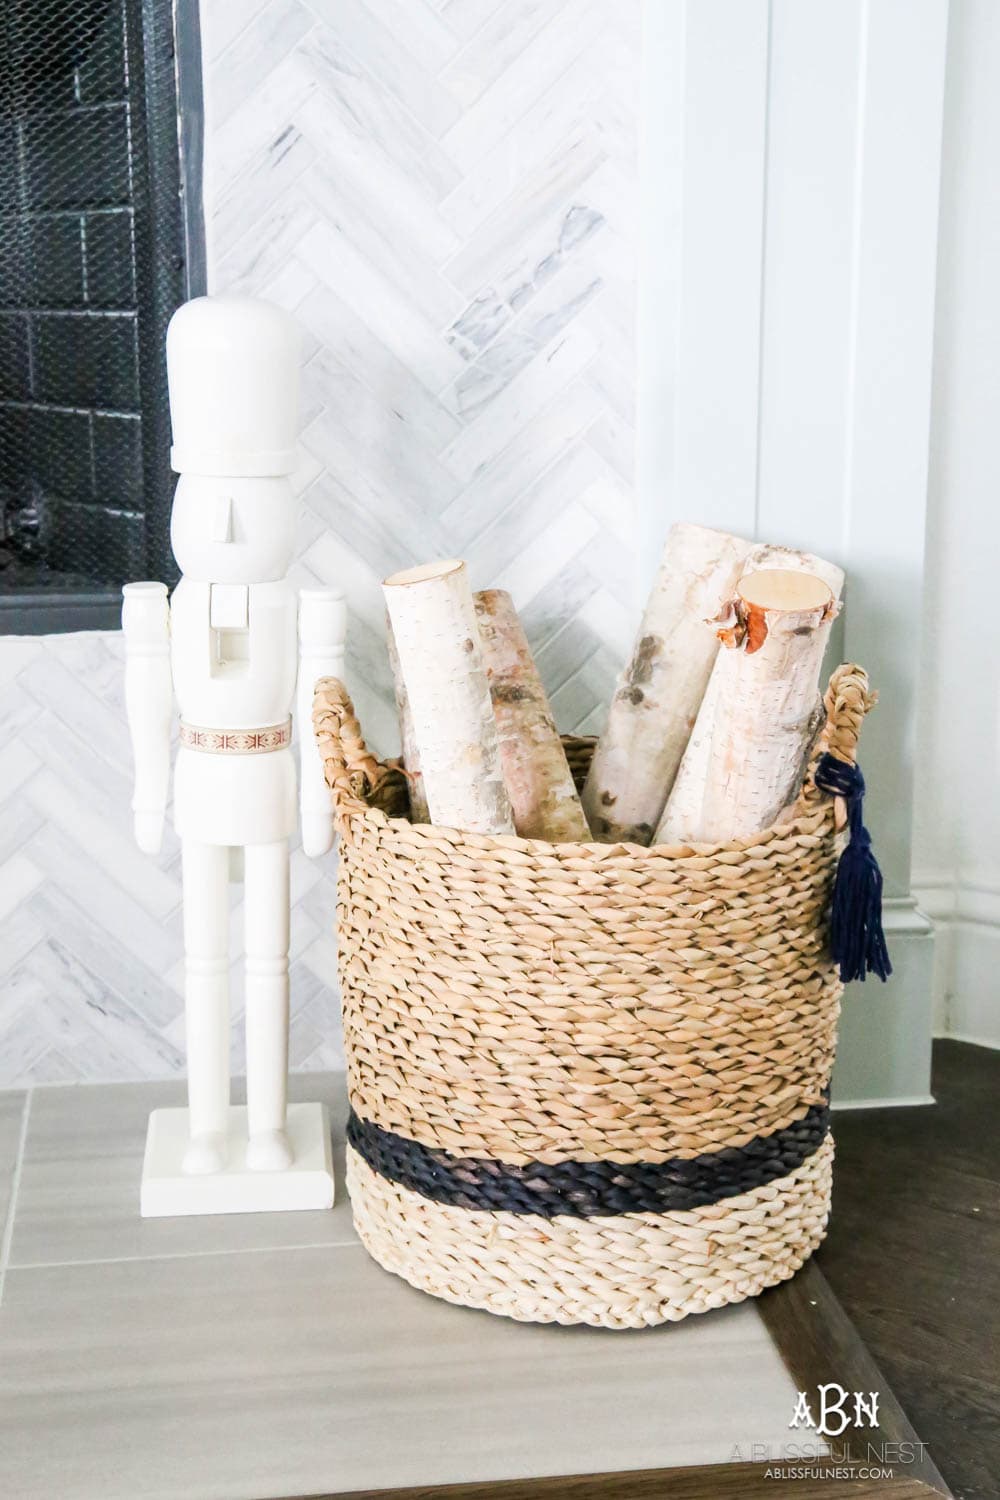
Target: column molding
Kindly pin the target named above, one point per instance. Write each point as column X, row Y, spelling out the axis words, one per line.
column 787, row 307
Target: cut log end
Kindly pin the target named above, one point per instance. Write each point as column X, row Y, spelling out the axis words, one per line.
column 424, row 573
column 777, row 588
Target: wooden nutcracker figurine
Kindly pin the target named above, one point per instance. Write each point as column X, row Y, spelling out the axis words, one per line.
column 231, row 645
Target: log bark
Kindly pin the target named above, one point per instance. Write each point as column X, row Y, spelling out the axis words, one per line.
column 761, row 711
column 410, row 755
column 434, row 623
column 658, row 694
column 535, row 769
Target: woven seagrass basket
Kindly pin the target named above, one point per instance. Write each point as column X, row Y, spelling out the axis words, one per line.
column 588, row 1082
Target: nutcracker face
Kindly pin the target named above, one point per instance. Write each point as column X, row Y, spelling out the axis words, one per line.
column 232, row 530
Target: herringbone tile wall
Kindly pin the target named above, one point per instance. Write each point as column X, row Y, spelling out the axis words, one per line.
column 91, row 957
column 445, row 195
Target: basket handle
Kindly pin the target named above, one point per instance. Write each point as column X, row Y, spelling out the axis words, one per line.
column 848, row 698
column 857, row 937
column 355, row 777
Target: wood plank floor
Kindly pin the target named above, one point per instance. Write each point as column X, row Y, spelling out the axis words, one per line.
column 913, row 1255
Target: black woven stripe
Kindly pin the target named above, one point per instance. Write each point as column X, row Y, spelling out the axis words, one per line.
column 586, row 1188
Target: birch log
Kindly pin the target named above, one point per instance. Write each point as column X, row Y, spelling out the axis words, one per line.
column 760, row 714
column 434, row 624
column 410, row 755
column 659, row 691
column 539, row 781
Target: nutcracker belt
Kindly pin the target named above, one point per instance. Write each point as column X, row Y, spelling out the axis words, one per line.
column 236, row 741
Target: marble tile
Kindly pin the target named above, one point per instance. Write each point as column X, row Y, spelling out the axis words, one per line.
column 610, row 621
column 537, row 227
column 351, row 104
column 509, row 348
column 534, row 568
column 79, row 1004
column 495, row 47
column 264, row 248
column 16, row 765
column 79, row 1195
column 11, row 1118
column 380, row 442
column 19, row 877
column 270, row 172
column 17, row 707
column 560, row 657
column 21, row 932
column 256, row 50
column 387, row 311
column 314, row 1371
column 465, row 17
column 75, row 687
column 534, row 72
column 558, row 602
column 553, row 121
column 349, row 195
column 96, row 914
column 222, row 23
column 614, row 439
column 592, row 682
column 110, row 846
column 404, row 45
column 376, row 516
column 483, row 439
column 18, row 652
column 519, row 463
column 501, row 544
column 396, row 387
column 259, row 118
column 611, row 503
column 613, row 563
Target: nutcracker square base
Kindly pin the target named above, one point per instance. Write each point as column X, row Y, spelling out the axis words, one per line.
column 167, row 1191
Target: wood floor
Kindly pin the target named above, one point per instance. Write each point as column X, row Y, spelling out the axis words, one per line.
column 913, row 1255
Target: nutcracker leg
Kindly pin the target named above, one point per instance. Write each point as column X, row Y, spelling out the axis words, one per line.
column 266, row 909
column 206, row 1002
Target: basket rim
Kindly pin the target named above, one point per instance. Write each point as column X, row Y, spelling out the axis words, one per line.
column 803, row 821
column 346, row 760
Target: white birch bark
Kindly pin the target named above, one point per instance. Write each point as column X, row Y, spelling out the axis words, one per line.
column 661, row 687
column 410, row 755
column 537, row 774
column 760, row 715
column 434, row 623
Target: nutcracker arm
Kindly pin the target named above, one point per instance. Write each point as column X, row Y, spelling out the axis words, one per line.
column 322, row 630
column 148, row 704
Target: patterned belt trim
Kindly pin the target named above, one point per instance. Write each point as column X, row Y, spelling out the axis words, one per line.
column 589, row 1188
column 237, row 741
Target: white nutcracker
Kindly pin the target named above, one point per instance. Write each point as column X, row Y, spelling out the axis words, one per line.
column 231, row 645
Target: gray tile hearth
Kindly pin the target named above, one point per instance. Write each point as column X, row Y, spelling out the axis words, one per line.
column 78, row 1197
column 267, row 1355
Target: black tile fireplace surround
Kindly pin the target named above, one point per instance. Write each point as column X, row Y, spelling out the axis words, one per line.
column 96, row 244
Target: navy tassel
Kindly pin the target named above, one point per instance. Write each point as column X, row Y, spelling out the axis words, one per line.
column 857, row 942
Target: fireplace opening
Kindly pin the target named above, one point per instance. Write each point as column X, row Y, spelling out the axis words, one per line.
column 93, row 260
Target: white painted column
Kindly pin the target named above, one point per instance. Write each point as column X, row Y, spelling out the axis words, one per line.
column 789, row 397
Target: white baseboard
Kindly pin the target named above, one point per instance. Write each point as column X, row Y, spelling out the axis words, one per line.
column 884, row 1054
column 966, row 913
column 843, row 1106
